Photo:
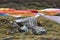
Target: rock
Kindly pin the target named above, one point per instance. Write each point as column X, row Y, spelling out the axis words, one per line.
column 39, row 30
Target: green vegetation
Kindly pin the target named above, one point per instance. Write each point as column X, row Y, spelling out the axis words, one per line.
column 28, row 5
column 52, row 27
column 32, row 4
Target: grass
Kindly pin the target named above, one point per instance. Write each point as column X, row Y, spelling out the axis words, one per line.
column 53, row 29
